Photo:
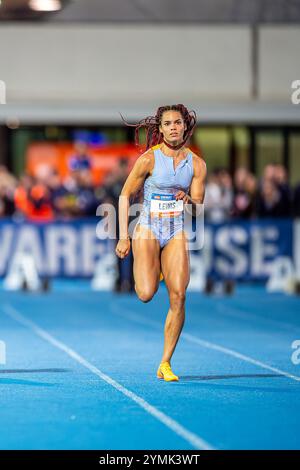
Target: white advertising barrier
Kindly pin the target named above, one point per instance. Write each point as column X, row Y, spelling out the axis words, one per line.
column 237, row 250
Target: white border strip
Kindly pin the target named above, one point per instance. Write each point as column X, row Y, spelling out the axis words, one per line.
column 194, row 440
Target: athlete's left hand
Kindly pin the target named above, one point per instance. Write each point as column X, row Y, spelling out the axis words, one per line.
column 182, row 195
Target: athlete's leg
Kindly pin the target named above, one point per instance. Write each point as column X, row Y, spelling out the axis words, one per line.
column 176, row 271
column 146, row 264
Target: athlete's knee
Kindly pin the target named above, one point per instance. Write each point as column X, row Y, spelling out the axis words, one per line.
column 177, row 297
column 145, row 294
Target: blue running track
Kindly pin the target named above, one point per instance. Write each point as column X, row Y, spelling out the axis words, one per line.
column 80, row 371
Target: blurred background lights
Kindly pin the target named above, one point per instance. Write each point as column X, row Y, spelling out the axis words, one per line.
column 45, row 5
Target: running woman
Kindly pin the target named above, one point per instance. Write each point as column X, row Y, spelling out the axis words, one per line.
column 173, row 179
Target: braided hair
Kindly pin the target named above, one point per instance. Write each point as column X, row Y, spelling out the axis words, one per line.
column 152, row 123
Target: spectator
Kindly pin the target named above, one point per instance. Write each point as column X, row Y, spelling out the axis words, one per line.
column 244, row 194
column 213, row 204
column 296, row 202
column 226, row 185
column 269, row 172
column 277, row 174
column 8, row 184
column 115, row 180
column 270, row 202
column 281, row 180
column 81, row 160
column 58, row 195
column 111, row 191
column 86, row 198
column 21, row 194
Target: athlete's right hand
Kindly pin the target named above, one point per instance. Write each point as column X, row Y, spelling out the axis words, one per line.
column 123, row 248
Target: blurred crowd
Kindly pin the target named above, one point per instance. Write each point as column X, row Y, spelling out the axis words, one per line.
column 47, row 196
column 244, row 196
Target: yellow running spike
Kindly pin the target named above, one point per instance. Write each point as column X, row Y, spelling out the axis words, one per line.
column 161, row 276
column 165, row 372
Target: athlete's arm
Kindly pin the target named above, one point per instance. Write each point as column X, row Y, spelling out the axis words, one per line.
column 197, row 188
column 134, row 181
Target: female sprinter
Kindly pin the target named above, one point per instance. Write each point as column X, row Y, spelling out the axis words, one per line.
column 173, row 176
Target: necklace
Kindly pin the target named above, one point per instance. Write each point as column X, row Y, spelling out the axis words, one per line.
column 173, row 147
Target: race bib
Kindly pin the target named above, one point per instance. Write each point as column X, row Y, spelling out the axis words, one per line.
column 165, row 205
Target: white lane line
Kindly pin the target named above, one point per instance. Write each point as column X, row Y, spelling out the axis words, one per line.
column 194, row 440
column 206, row 344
